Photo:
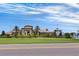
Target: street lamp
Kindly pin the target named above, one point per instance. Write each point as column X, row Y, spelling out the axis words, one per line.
column 57, row 32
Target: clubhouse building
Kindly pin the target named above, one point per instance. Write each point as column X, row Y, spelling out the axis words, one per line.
column 28, row 30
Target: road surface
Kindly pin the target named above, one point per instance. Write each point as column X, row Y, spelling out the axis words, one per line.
column 57, row 49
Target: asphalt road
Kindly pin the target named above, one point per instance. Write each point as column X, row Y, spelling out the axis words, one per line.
column 59, row 49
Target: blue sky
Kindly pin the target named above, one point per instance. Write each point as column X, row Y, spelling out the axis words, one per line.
column 45, row 15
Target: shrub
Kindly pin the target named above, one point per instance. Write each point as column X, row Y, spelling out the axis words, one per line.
column 67, row 35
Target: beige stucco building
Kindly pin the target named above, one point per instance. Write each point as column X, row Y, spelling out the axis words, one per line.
column 28, row 30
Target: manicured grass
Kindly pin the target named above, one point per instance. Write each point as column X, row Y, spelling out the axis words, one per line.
column 36, row 40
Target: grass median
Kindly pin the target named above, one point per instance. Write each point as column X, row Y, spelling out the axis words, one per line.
column 37, row 40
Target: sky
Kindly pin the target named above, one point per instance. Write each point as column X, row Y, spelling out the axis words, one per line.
column 44, row 15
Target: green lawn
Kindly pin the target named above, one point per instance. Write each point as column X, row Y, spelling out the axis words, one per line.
column 36, row 40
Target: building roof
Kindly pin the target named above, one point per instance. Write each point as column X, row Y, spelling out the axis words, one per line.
column 8, row 33
column 28, row 26
column 44, row 31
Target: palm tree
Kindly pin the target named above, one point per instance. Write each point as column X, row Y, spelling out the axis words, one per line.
column 36, row 31
column 16, row 31
column 3, row 33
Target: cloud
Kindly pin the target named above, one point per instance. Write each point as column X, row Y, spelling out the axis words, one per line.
column 62, row 13
column 63, row 20
column 32, row 12
column 17, row 9
column 76, row 5
column 51, row 9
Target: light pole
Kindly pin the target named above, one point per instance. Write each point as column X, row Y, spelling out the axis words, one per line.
column 57, row 31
